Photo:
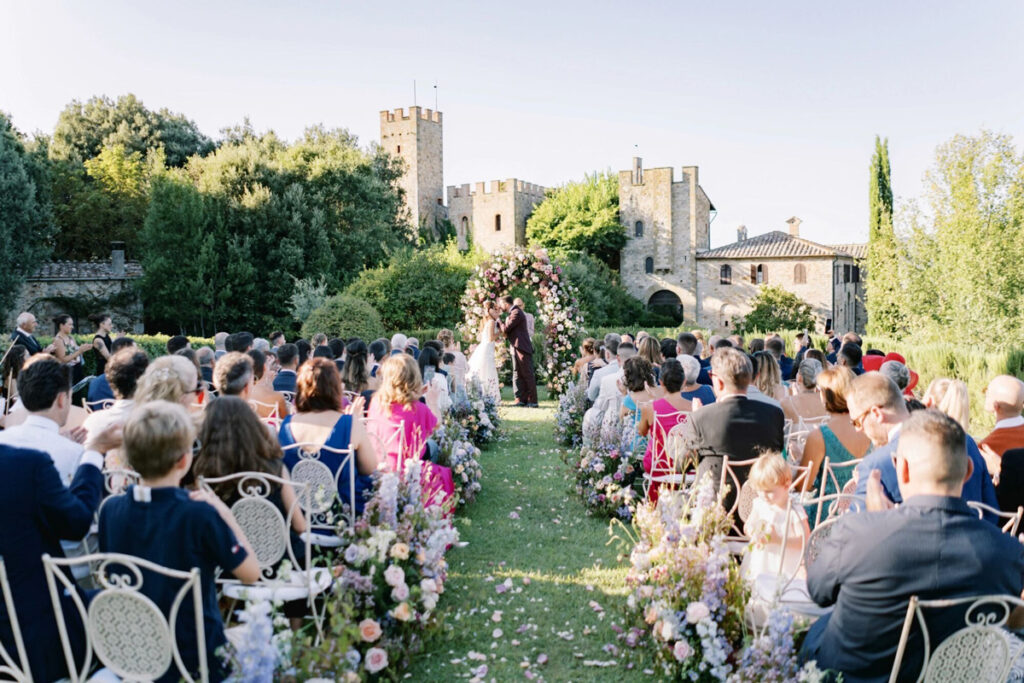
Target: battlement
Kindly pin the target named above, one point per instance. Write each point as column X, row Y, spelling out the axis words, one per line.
column 513, row 185
column 414, row 112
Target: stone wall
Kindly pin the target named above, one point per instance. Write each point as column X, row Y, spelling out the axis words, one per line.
column 475, row 212
column 416, row 138
column 44, row 298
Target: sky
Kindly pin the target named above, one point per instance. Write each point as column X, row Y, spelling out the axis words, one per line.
column 777, row 103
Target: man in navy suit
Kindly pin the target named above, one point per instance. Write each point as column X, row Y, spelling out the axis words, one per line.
column 24, row 334
column 36, row 512
column 686, row 344
column 288, row 357
column 933, row 546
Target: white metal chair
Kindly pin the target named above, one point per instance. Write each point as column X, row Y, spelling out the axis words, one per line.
column 829, row 475
column 1012, row 518
column 269, row 534
column 125, row 629
column 325, row 488
column 102, row 404
column 821, row 532
column 795, row 442
column 9, row 669
column 983, row 650
column 834, row 505
column 673, row 452
column 744, row 499
column 289, row 397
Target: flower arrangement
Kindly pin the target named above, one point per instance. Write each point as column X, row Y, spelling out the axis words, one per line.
column 687, row 599
column 609, row 472
column 477, row 414
column 557, row 300
column 458, row 452
column 572, row 405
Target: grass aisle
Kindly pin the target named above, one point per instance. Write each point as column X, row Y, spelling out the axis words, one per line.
column 535, row 592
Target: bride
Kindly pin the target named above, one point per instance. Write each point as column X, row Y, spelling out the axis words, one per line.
column 482, row 366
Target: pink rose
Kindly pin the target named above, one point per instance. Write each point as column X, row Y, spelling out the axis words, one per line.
column 400, row 592
column 369, row 630
column 376, row 659
column 697, row 611
column 682, row 651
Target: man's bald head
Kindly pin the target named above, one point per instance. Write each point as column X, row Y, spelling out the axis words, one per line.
column 1005, row 397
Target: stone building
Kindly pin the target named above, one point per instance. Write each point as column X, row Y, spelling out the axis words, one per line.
column 80, row 289
column 493, row 218
column 415, row 138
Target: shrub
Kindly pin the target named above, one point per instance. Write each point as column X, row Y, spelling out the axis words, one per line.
column 344, row 316
column 308, row 296
column 776, row 309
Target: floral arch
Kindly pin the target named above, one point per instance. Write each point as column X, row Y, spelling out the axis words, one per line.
column 556, row 299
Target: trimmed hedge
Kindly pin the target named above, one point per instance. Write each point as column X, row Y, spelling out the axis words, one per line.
column 344, row 316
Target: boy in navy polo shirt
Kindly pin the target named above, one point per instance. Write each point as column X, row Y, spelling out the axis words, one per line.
column 162, row 523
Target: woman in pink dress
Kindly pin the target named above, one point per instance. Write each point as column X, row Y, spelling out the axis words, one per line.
column 666, row 413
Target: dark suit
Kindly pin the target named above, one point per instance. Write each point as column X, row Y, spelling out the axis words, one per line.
column 738, row 427
column 285, row 381
column 36, row 513
column 1010, row 490
column 515, row 329
column 933, row 547
column 26, row 340
column 704, row 377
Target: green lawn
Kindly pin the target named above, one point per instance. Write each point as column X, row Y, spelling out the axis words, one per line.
column 566, row 587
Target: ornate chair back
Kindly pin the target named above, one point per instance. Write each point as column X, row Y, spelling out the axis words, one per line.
column 102, row 404
column 9, row 669
column 1012, row 523
column 325, row 486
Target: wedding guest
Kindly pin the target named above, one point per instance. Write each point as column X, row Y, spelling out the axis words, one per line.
column 356, row 375
column 24, row 334
column 733, row 425
column 776, row 346
column 803, row 344
column 320, row 420
column 879, row 412
column 686, row 345
column 736, row 341
column 288, row 359
column 767, row 379
column 692, row 390
column 897, row 372
column 124, row 370
column 305, row 350
column 205, row 358
column 429, row 365
column 267, row 402
column 956, row 403
column 836, row 439
column 161, row 522
column 703, row 349
column 756, row 345
column 38, row 512
column 870, row 582
column 588, row 355
column 66, row 349
column 650, row 351
column 611, row 349
column 100, row 388
column 459, row 365
column 324, row 351
column 102, row 344
column 379, row 350
column 1004, row 398
column 177, row 343
column 234, row 375
column 317, row 340
column 398, row 343
column 657, row 419
column 640, row 390
column 805, row 402
column 609, row 391
column 818, row 355
column 169, row 378
column 219, row 342
column 277, row 339
column 397, row 417
column 14, row 360
column 337, row 347
column 412, row 347
column 849, row 356
column 668, row 348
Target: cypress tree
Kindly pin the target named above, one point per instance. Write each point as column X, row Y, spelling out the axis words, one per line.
column 883, row 265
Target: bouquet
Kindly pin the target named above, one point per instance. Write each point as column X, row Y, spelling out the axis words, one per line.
column 458, row 452
column 609, row 473
column 572, row 405
column 477, row 414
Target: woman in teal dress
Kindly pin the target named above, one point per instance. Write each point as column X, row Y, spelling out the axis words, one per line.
column 638, row 381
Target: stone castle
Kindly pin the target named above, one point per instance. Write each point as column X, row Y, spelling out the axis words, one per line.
column 668, row 262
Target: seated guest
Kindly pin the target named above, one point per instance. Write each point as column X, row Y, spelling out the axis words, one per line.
column 39, row 511
column 460, row 365
column 398, row 343
column 648, row 349
column 277, row 340
column 734, row 424
column 398, row 420
column 755, row 346
column 337, row 347
column 288, row 359
column 609, row 391
column 205, row 357
column 99, row 387
column 776, row 346
column 124, row 370
column 1010, row 480
column 955, row 402
column 1005, row 399
column 412, row 347
column 319, row 421
column 803, row 344
column 658, row 418
column 429, row 364
column 11, row 367
column 324, row 351
column 588, row 355
column 736, row 341
column 163, row 523
column 640, row 390
column 240, row 342
column 261, row 344
column 220, row 344
column 686, row 345
column 267, row 402
column 933, row 546
column 767, row 385
column 879, row 412
column 305, row 350
column 818, row 355
column 177, row 343
column 169, row 378
column 691, row 388
column 849, row 356
column 836, row 439
column 668, row 348
column 804, row 402
column 897, row 372
column 234, row 375
column 356, row 374
column 611, row 349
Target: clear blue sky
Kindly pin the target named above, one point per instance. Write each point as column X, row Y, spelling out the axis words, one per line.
column 776, row 102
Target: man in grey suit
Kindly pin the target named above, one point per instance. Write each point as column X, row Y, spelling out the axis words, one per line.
column 933, row 546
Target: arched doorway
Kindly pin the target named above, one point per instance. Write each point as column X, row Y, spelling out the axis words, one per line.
column 667, row 303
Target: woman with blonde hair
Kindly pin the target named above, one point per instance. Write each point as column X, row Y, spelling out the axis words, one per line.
column 170, row 378
column 397, row 417
column 649, row 349
column 768, row 377
column 950, row 397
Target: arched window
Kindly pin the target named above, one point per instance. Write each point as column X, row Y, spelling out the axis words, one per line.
column 497, row 222
column 649, row 265
column 725, row 275
column 758, row 274
column 799, row 274
column 638, row 229
column 465, row 225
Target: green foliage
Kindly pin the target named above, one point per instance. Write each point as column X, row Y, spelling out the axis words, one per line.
column 602, row 299
column 83, row 130
column 25, row 217
column 776, row 309
column 344, row 316
column 884, row 291
column 308, row 295
column 418, row 288
column 581, row 216
column 258, row 213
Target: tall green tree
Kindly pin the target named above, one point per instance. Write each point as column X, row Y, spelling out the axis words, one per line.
column 26, row 224
column 581, row 216
column 774, row 309
column 884, row 266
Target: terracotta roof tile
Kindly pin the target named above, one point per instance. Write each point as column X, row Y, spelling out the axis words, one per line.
column 772, row 244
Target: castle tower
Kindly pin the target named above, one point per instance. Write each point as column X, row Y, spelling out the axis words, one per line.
column 415, row 138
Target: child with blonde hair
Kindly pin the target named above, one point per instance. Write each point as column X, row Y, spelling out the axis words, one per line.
column 771, row 477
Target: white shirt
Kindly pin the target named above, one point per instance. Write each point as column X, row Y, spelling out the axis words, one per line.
column 101, row 419
column 595, row 380
column 610, row 385
column 43, row 434
column 1010, row 422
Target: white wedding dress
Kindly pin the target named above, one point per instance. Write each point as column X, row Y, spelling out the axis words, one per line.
column 482, row 367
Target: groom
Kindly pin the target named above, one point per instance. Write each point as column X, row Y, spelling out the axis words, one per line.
column 515, row 329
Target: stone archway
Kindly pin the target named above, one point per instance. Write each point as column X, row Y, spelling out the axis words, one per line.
column 556, row 301
column 666, row 302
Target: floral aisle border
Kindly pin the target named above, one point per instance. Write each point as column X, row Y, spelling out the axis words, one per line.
column 557, row 300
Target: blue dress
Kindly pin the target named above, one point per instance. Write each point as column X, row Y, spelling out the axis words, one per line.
column 341, row 438
column 704, row 392
column 639, row 442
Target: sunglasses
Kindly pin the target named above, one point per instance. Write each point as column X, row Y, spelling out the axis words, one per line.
column 858, row 422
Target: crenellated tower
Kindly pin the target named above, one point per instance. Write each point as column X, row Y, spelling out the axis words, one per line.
column 415, row 138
